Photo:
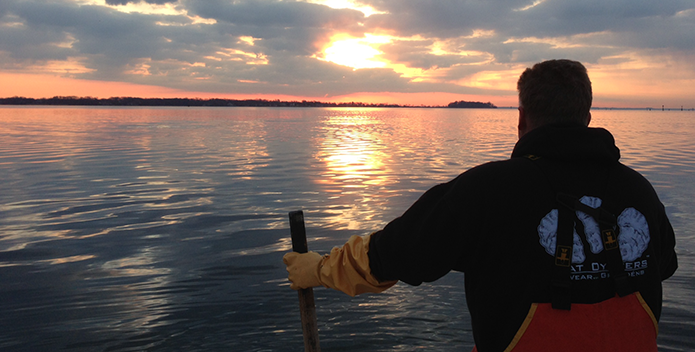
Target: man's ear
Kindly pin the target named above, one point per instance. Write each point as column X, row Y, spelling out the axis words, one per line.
column 588, row 119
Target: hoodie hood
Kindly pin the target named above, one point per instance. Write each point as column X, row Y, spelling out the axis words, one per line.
column 568, row 142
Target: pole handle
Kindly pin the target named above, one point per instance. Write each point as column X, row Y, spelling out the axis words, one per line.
column 298, row 232
column 307, row 306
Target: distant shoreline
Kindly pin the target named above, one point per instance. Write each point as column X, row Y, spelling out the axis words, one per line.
column 217, row 102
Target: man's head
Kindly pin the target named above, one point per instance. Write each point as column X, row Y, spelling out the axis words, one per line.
column 554, row 91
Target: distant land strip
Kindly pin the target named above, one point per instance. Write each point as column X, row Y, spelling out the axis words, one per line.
column 132, row 101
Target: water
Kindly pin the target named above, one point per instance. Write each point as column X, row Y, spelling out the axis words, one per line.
column 141, row 229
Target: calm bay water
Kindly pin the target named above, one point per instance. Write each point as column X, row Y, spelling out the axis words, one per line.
column 131, row 229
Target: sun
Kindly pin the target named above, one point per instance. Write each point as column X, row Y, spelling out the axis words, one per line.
column 356, row 52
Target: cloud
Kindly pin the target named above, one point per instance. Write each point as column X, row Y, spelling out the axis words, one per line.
column 419, row 54
column 274, row 13
column 447, row 19
column 275, row 47
column 282, row 25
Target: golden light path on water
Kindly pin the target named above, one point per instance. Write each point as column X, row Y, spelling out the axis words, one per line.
column 354, row 161
column 366, row 156
column 351, row 152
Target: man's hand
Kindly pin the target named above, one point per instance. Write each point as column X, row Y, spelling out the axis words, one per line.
column 303, row 269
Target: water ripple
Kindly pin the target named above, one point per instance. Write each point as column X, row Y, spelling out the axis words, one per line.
column 164, row 229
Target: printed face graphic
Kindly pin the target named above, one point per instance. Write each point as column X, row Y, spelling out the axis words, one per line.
column 633, row 235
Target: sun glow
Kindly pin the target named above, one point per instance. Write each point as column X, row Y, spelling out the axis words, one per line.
column 356, row 52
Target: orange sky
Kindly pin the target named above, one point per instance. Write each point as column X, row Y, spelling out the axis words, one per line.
column 47, row 85
column 607, row 93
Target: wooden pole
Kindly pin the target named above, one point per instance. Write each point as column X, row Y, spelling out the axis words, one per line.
column 307, row 307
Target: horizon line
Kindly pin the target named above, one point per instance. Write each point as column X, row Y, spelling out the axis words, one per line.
column 302, row 103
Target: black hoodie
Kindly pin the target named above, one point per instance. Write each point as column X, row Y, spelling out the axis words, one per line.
column 495, row 223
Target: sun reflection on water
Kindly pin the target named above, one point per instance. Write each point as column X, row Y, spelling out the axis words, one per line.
column 355, row 165
column 353, row 154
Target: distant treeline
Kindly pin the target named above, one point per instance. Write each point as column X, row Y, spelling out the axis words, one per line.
column 131, row 101
column 471, row 105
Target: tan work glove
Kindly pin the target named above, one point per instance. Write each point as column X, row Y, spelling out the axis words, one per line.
column 345, row 269
column 303, row 269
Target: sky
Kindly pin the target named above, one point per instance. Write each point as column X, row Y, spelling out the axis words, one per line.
column 639, row 53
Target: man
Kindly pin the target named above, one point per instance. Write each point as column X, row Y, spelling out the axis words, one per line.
column 562, row 246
